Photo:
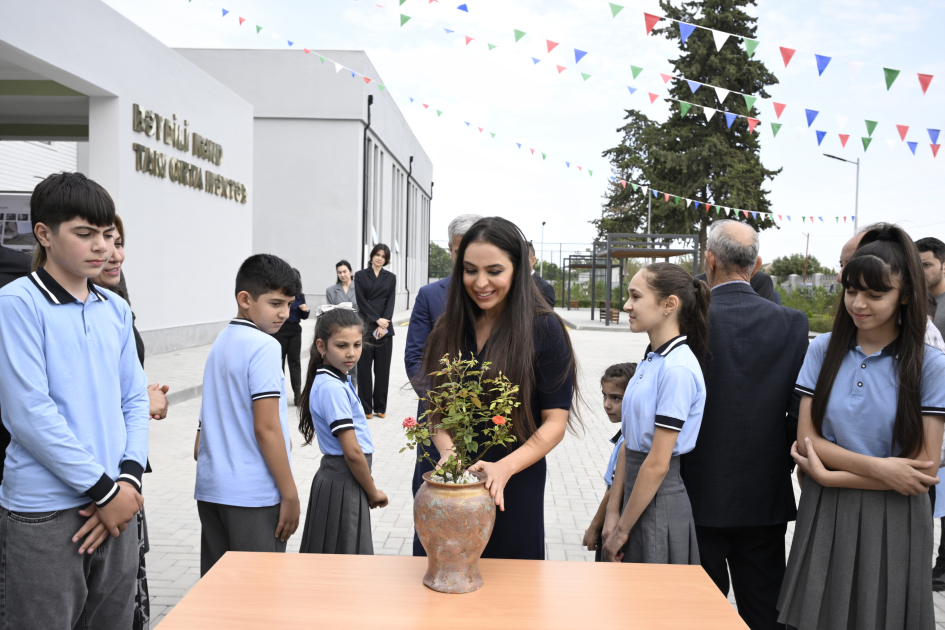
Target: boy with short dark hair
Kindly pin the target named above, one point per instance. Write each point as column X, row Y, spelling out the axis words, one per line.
column 246, row 496
column 74, row 399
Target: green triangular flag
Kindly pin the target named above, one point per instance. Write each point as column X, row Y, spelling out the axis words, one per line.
column 591, row 172
column 404, row 19
column 544, row 155
column 802, row 219
column 322, row 58
column 684, row 109
column 258, row 28
column 636, row 71
column 615, row 8
column 382, row 86
column 866, row 143
column 749, row 101
column 838, row 219
column 676, row 200
column 890, row 77
column 750, row 46
column 518, row 34
column 402, row 2
column 586, row 76
column 491, row 46
column 870, row 126
column 438, row 113
column 493, row 135
column 775, row 128
column 718, row 210
column 634, row 187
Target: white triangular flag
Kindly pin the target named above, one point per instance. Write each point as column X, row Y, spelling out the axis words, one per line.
column 646, row 189
column 842, row 120
column 709, row 113
column 720, row 39
column 338, row 67
column 800, row 131
column 721, row 93
column 688, row 201
column 854, row 67
column 891, row 143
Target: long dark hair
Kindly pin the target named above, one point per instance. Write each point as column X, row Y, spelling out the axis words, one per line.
column 327, row 325
column 342, row 263
column 884, row 256
column 667, row 279
column 511, row 347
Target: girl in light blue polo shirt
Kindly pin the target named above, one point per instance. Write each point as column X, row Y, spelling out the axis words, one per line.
column 869, row 441
column 343, row 492
column 649, row 517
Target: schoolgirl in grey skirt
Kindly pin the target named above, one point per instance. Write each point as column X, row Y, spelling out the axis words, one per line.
column 869, row 442
column 649, row 517
column 343, row 493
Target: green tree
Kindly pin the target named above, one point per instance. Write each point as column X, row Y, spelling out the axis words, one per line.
column 689, row 155
column 440, row 263
column 786, row 265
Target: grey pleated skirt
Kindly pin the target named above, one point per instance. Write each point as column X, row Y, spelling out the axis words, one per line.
column 338, row 519
column 665, row 533
column 860, row 560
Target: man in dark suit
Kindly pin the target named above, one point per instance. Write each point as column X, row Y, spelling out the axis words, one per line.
column 546, row 288
column 760, row 283
column 427, row 307
column 739, row 475
column 13, row 265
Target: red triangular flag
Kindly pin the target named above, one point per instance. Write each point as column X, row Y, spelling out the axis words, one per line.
column 425, row 106
column 469, row 39
column 843, row 139
column 924, row 80
column 935, row 149
column 579, row 168
column 653, row 97
column 560, row 69
column 307, row 51
column 708, row 207
column 745, row 212
column 903, row 130
column 367, row 80
column 751, row 124
column 780, row 219
column 778, row 108
column 242, row 20
column 844, row 219
column 480, row 129
column 811, row 219
column 533, row 151
column 666, row 77
column 786, row 54
column 623, row 183
column 551, row 44
column 666, row 195
column 651, row 21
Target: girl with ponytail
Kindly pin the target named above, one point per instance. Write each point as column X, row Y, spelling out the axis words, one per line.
column 649, row 517
column 869, row 439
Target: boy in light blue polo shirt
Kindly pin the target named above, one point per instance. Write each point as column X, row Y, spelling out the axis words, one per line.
column 74, row 399
column 246, row 496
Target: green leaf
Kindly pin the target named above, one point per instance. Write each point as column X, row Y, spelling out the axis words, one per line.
column 426, row 442
column 474, row 446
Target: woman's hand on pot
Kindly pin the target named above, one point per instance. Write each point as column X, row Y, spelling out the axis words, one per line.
column 497, row 475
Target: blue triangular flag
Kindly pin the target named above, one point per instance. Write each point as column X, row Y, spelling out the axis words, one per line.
column 852, row 218
column 933, row 135
column 411, row 100
column 535, row 59
column 693, row 85
column 578, row 55
column 448, row 30
column 697, row 204
column 632, row 89
column 568, row 164
column 519, row 144
column 811, row 115
column 612, row 179
column 821, row 219
column 224, row 13
column 822, row 63
column 685, row 30
column 913, row 145
column 754, row 215
column 820, row 136
column 352, row 74
column 788, row 217
column 654, row 191
column 730, row 118
column 290, row 43
column 467, row 124
column 463, row 7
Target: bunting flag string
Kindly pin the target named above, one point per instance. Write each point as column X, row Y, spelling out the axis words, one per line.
column 720, row 210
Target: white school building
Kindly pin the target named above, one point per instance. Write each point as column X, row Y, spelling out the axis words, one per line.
column 210, row 156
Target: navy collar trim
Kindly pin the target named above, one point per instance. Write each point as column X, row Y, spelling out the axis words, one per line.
column 54, row 292
column 892, row 348
column 239, row 321
column 332, row 371
column 669, row 346
column 617, row 437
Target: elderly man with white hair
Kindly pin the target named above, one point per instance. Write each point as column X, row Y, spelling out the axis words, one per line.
column 739, row 475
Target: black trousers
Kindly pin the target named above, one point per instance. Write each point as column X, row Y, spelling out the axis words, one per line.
column 755, row 558
column 290, row 338
column 375, row 358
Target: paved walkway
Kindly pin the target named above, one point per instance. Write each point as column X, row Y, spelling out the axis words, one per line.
column 574, row 486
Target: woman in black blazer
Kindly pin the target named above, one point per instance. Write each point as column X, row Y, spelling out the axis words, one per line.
column 374, row 288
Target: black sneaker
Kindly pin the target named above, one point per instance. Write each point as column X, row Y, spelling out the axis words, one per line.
column 938, row 584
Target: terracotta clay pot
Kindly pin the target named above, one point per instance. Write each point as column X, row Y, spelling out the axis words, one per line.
column 454, row 523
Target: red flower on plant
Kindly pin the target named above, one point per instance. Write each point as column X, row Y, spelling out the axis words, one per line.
column 498, row 420
column 410, row 422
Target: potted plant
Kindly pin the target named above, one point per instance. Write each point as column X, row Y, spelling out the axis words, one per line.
column 453, row 512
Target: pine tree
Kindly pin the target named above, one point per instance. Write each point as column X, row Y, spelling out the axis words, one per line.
column 688, row 155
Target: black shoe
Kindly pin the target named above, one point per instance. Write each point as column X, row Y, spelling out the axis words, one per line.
column 938, row 584
column 939, row 569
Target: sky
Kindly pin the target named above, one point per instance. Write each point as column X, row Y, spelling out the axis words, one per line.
column 575, row 119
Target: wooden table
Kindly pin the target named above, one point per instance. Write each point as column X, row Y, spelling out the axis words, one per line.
column 271, row 590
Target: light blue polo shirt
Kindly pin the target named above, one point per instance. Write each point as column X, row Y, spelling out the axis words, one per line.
column 617, row 441
column 335, row 407
column 73, row 396
column 861, row 410
column 668, row 391
column 244, row 365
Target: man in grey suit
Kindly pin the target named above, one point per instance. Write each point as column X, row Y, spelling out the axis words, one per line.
column 739, row 475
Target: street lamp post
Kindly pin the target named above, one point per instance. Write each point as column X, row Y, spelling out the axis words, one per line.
column 541, row 266
column 856, row 202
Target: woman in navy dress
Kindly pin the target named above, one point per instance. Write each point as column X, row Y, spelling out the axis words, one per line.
column 497, row 314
